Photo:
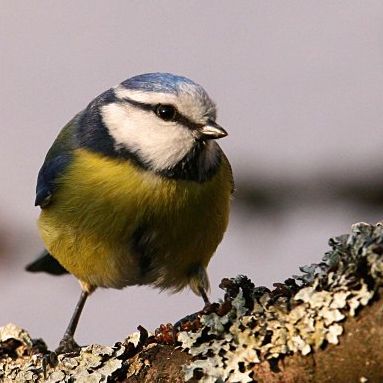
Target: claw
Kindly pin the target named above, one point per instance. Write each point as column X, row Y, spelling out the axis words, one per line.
column 67, row 346
column 191, row 322
column 49, row 359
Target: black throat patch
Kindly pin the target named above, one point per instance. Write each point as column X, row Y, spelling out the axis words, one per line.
column 193, row 166
column 92, row 134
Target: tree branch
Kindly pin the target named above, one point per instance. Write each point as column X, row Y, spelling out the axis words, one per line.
column 325, row 325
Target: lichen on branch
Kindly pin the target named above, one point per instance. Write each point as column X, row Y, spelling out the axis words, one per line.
column 302, row 315
column 324, row 325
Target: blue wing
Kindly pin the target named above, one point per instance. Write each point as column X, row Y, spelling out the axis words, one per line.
column 58, row 158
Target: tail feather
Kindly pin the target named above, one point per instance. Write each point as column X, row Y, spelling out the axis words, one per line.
column 46, row 263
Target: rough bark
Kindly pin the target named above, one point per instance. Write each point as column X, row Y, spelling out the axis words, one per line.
column 325, row 325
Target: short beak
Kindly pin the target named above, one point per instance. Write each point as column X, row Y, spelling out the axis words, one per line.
column 212, row 131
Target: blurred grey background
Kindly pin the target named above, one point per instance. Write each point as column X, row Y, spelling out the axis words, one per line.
column 299, row 86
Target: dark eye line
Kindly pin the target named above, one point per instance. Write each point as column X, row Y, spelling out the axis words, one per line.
column 178, row 117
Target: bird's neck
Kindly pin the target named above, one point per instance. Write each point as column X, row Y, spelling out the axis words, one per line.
column 199, row 165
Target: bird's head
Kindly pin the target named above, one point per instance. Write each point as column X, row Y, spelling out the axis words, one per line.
column 161, row 118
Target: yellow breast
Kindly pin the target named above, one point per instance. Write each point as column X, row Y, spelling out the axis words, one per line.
column 102, row 204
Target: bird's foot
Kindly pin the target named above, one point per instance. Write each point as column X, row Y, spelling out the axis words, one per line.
column 209, row 308
column 191, row 322
column 67, row 346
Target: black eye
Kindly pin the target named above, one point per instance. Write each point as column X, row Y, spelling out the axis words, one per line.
column 166, row 112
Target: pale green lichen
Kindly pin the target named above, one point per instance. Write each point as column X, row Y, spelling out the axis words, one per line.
column 22, row 359
column 134, row 338
column 301, row 315
column 93, row 364
column 14, row 332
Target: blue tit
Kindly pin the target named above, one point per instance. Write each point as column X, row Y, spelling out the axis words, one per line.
column 135, row 191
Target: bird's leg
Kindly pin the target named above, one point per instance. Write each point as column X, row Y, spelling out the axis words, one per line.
column 204, row 297
column 67, row 343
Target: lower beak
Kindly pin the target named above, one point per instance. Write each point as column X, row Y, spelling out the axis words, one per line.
column 212, row 131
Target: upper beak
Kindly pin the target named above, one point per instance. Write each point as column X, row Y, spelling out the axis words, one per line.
column 212, row 131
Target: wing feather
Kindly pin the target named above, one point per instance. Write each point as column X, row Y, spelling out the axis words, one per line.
column 58, row 158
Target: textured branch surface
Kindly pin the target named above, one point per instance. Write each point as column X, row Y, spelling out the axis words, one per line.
column 325, row 325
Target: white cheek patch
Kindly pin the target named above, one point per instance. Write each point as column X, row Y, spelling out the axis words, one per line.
column 159, row 143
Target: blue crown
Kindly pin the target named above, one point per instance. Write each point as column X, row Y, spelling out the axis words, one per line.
column 160, row 82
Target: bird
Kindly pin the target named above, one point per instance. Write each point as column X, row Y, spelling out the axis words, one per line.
column 135, row 190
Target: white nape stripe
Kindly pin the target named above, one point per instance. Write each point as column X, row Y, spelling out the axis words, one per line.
column 185, row 102
column 148, row 97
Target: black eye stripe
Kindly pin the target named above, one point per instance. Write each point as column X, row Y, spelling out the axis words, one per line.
column 140, row 105
column 153, row 107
